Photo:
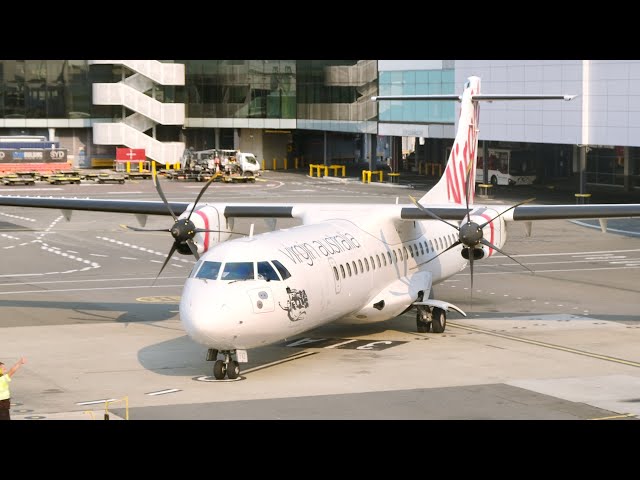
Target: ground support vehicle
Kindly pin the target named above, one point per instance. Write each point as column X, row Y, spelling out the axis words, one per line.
column 109, row 178
column 59, row 178
column 19, row 178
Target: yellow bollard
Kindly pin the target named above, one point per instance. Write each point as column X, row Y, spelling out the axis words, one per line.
column 274, row 163
column 153, row 168
column 264, row 167
column 295, row 163
column 285, row 163
column 128, row 167
column 311, row 165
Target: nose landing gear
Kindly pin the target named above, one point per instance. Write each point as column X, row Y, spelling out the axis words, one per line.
column 228, row 366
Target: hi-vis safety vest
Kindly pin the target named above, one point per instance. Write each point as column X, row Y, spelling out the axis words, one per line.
column 4, row 387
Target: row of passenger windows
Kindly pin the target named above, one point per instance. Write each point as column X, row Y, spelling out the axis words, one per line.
column 241, row 271
column 416, row 250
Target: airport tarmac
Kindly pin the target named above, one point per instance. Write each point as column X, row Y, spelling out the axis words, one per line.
column 78, row 300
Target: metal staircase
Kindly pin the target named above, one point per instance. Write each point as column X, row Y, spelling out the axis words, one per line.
column 131, row 93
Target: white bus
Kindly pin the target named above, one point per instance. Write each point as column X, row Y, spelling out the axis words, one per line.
column 507, row 167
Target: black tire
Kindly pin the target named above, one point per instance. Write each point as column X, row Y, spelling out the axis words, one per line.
column 233, row 370
column 494, row 180
column 439, row 320
column 219, row 369
column 121, row 182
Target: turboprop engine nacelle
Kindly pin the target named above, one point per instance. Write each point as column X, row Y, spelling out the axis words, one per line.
column 208, row 218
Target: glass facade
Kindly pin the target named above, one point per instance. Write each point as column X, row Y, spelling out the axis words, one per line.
column 417, row 82
column 337, row 91
column 239, row 88
column 44, row 89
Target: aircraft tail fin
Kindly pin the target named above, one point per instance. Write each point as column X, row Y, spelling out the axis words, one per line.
column 457, row 183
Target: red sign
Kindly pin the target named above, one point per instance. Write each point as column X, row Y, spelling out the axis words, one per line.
column 130, row 154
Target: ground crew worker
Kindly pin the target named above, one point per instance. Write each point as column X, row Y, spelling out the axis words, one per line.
column 5, row 394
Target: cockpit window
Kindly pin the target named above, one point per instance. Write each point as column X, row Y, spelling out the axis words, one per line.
column 266, row 272
column 209, row 270
column 237, row 271
column 284, row 273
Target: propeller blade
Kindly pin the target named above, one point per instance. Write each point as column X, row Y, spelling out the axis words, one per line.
column 471, row 270
column 455, row 244
column 206, row 185
column 202, row 230
column 433, row 215
column 491, row 245
column 512, row 206
column 193, row 248
column 156, row 183
column 174, row 247
column 136, row 229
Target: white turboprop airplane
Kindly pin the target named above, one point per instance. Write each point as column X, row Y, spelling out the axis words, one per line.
column 359, row 263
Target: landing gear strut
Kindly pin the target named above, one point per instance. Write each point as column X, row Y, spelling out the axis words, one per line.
column 228, row 366
column 430, row 318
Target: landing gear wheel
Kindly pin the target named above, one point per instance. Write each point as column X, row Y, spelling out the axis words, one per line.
column 439, row 320
column 219, row 369
column 422, row 324
column 233, row 370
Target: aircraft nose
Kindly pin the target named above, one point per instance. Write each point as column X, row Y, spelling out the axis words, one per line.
column 211, row 317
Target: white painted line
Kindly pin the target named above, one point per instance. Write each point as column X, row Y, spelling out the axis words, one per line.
column 602, row 252
column 88, row 289
column 93, row 402
column 341, row 343
column 162, row 392
column 98, row 255
column 128, row 258
column 551, row 271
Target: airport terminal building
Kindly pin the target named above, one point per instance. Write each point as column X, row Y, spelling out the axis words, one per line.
column 296, row 112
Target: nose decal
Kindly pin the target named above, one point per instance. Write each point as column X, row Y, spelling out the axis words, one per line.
column 297, row 304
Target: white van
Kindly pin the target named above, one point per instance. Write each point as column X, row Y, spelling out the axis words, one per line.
column 248, row 163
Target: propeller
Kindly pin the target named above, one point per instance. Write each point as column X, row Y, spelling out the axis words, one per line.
column 470, row 234
column 183, row 229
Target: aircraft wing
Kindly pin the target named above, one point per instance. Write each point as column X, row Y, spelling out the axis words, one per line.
column 553, row 212
column 519, row 213
column 533, row 212
column 95, row 205
column 142, row 207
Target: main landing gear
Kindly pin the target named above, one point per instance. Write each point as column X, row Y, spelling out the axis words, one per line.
column 228, row 366
column 430, row 319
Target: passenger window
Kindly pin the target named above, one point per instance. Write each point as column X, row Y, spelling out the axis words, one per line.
column 395, row 256
column 366, row 263
column 384, row 260
column 209, row 270
column 431, row 245
column 390, row 259
column 237, row 271
column 355, row 268
column 360, row 265
column 335, row 273
column 342, row 271
column 266, row 272
column 406, row 254
column 378, row 259
column 284, row 273
column 421, row 249
column 349, row 269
